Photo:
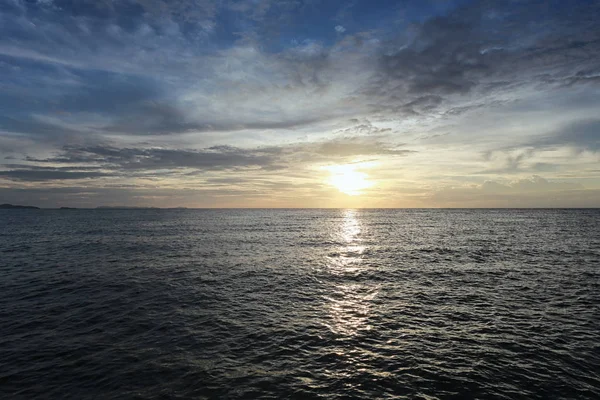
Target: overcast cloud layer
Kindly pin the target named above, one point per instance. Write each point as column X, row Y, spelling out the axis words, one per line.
column 205, row 103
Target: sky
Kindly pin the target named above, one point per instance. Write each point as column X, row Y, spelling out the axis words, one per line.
column 300, row 103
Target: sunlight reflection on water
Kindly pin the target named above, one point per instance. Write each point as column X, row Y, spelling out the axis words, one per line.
column 349, row 304
column 349, row 256
column 328, row 304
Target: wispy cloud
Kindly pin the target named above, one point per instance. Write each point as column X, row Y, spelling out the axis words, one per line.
column 164, row 88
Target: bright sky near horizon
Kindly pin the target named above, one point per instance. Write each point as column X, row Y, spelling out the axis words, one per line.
column 300, row 103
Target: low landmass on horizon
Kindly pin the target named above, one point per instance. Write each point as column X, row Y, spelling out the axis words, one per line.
column 7, row 206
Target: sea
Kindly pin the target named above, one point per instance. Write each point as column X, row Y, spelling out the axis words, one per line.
column 300, row 304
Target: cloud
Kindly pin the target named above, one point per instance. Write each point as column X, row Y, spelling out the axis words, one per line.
column 538, row 184
column 549, row 151
column 138, row 69
column 99, row 160
column 535, row 191
column 266, row 87
column 150, row 159
column 583, row 135
column 442, row 60
column 512, row 161
column 357, row 146
column 472, row 52
column 49, row 175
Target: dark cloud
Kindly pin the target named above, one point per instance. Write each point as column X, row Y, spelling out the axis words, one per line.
column 80, row 162
column 83, row 162
column 442, row 60
column 583, row 135
column 38, row 175
column 215, row 158
column 486, row 47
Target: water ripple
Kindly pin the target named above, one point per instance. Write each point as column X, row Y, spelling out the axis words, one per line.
column 425, row 304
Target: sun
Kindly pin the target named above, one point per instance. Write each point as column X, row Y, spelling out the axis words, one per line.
column 347, row 180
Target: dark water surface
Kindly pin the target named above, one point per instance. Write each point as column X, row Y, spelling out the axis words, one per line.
column 227, row 304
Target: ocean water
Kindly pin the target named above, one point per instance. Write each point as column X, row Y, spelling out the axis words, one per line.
column 323, row 304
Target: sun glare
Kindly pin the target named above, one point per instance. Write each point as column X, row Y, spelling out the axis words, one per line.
column 347, row 180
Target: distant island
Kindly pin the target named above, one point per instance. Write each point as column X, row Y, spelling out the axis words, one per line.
column 14, row 206
column 7, row 206
column 125, row 208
